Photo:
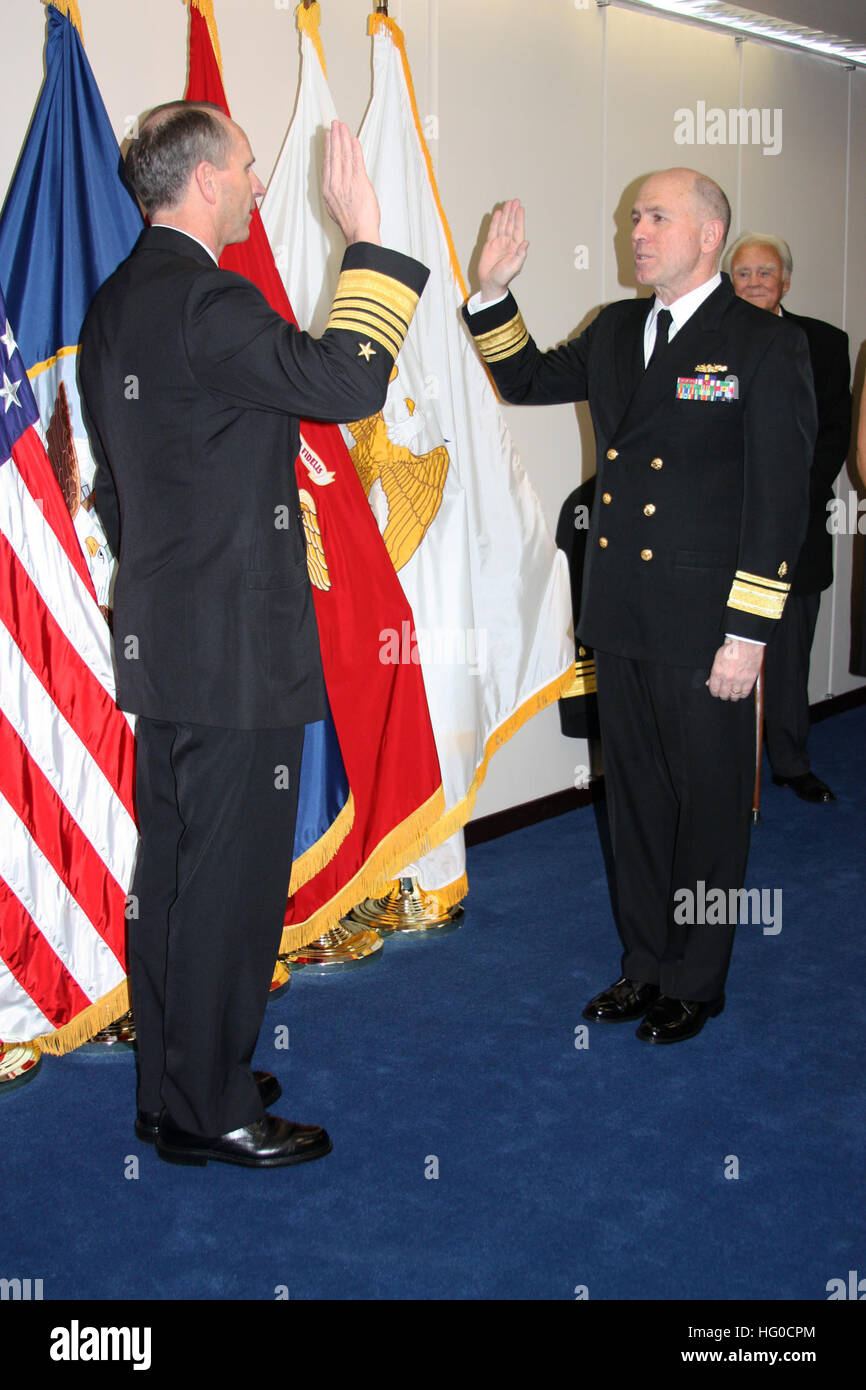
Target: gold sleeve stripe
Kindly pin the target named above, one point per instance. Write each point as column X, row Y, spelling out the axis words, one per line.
column 393, row 322
column 764, row 602
column 503, row 342
column 582, row 682
column 765, row 583
column 385, row 292
column 368, row 326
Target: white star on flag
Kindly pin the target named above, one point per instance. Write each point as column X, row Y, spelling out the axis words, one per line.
column 9, row 392
column 8, row 340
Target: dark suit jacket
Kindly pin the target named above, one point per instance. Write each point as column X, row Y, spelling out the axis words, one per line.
column 701, row 504
column 193, row 388
column 831, row 369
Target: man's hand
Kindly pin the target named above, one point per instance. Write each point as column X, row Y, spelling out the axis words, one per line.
column 735, row 669
column 348, row 193
column 504, row 251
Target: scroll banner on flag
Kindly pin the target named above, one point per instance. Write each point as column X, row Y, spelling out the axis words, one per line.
column 379, row 710
column 68, row 837
column 464, row 529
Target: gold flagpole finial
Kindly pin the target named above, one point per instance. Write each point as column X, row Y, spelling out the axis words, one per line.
column 382, row 7
column 70, row 9
column 307, row 17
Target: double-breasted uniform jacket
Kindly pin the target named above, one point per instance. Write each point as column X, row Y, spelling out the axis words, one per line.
column 831, row 370
column 196, row 443
column 702, row 464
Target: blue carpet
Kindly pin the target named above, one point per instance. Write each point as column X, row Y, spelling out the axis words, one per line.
column 559, row 1166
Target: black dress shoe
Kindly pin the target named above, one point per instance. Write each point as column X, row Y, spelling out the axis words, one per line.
column 267, row 1143
column 807, row 786
column 674, row 1020
column 147, row 1121
column 623, row 1002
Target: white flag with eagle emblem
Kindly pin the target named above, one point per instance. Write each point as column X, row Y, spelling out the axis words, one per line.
column 488, row 588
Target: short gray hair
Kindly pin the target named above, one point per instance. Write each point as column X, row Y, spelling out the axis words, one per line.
column 777, row 243
column 173, row 140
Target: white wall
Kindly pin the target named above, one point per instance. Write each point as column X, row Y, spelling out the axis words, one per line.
column 566, row 106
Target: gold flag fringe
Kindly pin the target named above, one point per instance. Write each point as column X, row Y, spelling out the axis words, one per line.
column 88, row 1023
column 449, row 896
column 308, row 21
column 322, row 851
column 420, row 834
column 374, row 877
column 205, row 9
column 70, row 9
column 455, row 818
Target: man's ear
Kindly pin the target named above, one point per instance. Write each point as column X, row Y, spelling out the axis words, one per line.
column 713, row 234
column 204, row 176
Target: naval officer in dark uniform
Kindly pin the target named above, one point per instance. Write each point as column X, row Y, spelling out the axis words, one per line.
column 704, row 417
column 761, row 267
column 194, row 389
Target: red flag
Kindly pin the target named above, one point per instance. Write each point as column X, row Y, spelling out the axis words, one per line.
column 379, row 709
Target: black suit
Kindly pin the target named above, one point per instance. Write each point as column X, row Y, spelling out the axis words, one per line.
column 193, row 389
column 699, row 514
column 786, row 703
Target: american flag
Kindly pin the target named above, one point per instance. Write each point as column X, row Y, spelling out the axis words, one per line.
column 67, row 829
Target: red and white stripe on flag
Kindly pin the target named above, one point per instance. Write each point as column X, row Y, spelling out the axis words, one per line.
column 67, row 757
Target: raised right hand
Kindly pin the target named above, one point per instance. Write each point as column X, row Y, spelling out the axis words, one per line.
column 504, row 251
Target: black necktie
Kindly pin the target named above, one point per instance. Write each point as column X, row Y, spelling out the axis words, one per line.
column 663, row 323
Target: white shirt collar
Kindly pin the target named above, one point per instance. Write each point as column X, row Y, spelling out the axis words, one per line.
column 190, row 235
column 680, row 311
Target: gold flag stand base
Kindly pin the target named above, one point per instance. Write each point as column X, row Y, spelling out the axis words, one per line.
column 341, row 948
column 116, row 1039
column 407, row 908
column 19, row 1063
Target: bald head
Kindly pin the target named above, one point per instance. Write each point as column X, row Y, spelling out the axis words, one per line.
column 680, row 221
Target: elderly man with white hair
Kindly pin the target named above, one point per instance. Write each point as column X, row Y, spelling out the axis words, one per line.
column 761, row 266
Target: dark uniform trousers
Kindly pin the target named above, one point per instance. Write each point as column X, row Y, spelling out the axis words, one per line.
column 679, row 766
column 216, row 811
column 786, row 684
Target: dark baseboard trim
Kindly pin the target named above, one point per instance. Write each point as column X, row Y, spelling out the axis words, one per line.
column 572, row 799
column 837, row 704
column 531, row 812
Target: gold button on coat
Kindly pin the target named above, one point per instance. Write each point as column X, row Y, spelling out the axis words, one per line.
column 605, row 497
column 646, row 555
column 656, row 464
column 612, row 454
column 649, row 509
column 602, row 540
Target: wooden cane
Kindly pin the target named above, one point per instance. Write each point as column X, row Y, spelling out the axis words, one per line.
column 759, row 744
